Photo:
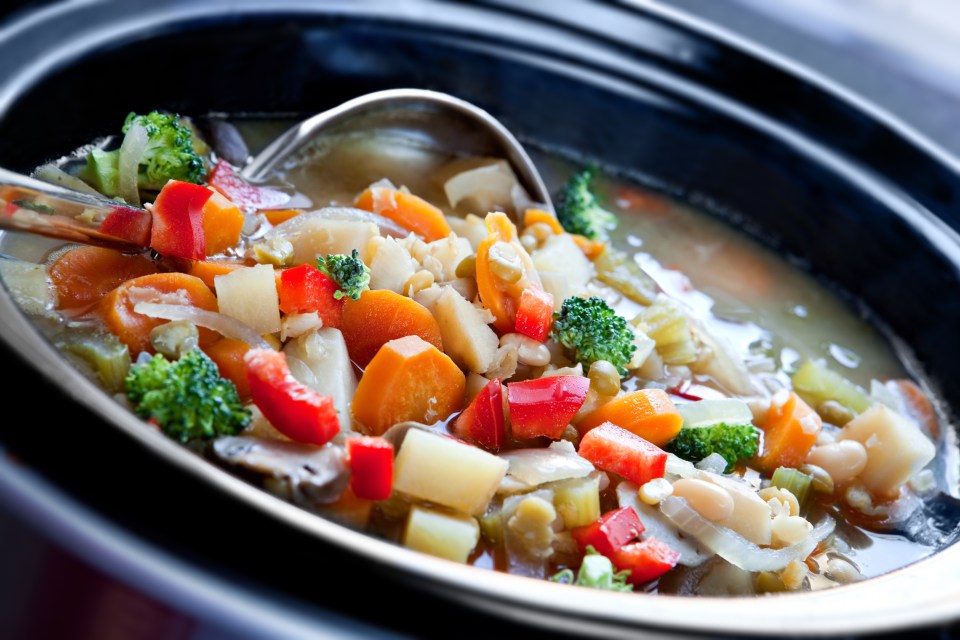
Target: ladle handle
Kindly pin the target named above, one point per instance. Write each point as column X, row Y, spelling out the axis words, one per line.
column 29, row 205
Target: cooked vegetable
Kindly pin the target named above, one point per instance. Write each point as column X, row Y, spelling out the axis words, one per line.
column 592, row 330
column 228, row 354
column 178, row 220
column 170, row 153
column 579, row 210
column 304, row 289
column 790, row 429
column 380, row 316
column 619, row 270
column 595, row 571
column 187, row 398
column 371, row 467
column 817, row 384
column 222, row 224
column 619, row 451
column 225, row 179
column 483, row 421
column 796, row 482
column 319, row 359
column 83, row 275
column 410, row 211
column 648, row 413
column 350, row 274
column 106, row 355
column 535, row 314
column 734, row 442
column 408, row 379
column 504, row 270
column 611, row 531
column 540, row 465
column 249, row 294
column 645, row 560
column 563, row 269
column 545, row 406
column 128, row 223
column 446, row 535
column 577, row 500
column 466, row 336
column 665, row 321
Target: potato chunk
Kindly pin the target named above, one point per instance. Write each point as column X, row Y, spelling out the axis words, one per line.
column 445, row 535
column 467, row 338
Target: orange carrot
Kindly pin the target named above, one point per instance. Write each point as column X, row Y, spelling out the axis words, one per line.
column 133, row 328
column 408, row 379
column 918, row 406
column 83, row 275
column 222, row 223
column 533, row 216
column 207, row 270
column 409, row 211
column 381, row 315
column 590, row 248
column 790, row 430
column 648, row 413
column 277, row 216
column 227, row 354
column 500, row 295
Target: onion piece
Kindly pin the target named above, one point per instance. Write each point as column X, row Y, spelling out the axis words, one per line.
column 714, row 462
column 128, row 165
column 659, row 527
column 295, row 225
column 559, row 461
column 223, row 324
column 679, row 468
column 733, row 547
column 488, row 186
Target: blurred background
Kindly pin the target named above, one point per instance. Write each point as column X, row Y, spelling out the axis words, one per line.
column 901, row 55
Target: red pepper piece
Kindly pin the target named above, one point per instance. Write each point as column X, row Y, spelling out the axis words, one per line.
column 371, row 467
column 304, row 289
column 614, row 449
column 178, row 220
column 128, row 223
column 535, row 314
column 545, row 406
column 646, row 560
column 225, row 179
column 613, row 530
column 482, row 422
column 294, row 409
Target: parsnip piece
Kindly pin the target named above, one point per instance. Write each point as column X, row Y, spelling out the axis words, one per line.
column 450, row 473
column 391, row 266
column 466, row 336
column 323, row 237
column 896, row 448
column 445, row 535
column 751, row 515
column 320, row 361
column 572, row 270
column 249, row 294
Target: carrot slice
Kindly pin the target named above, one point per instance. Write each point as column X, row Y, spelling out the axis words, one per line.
column 83, row 275
column 409, row 211
column 590, row 248
column 381, row 315
column 133, row 328
column 648, row 413
column 500, row 295
column 222, row 224
column 408, row 379
column 790, row 430
column 277, row 216
column 227, row 354
column 207, row 270
column 533, row 216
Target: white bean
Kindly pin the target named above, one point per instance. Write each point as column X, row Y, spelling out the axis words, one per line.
column 707, row 499
column 655, row 490
column 843, row 459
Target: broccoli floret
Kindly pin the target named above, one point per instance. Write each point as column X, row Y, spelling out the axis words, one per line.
column 734, row 442
column 578, row 209
column 596, row 571
column 187, row 397
column 170, row 154
column 592, row 330
column 348, row 272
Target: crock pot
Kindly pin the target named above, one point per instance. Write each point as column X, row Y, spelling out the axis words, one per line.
column 828, row 180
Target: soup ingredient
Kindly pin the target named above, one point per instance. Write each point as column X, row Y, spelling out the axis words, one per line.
column 447, row 472
column 790, row 429
column 467, row 338
column 843, row 460
column 222, row 224
column 645, row 559
column 817, row 384
column 349, row 273
column 614, row 449
column 294, row 409
column 107, row 356
column 579, row 210
column 128, row 223
column 545, row 406
column 446, row 535
column 595, row 571
column 319, row 359
column 535, row 314
column 225, row 179
column 380, row 316
column 734, row 442
column 408, row 379
column 709, row 500
column 178, row 220
column 187, row 398
column 249, row 294
column 228, row 354
column 305, row 289
column 666, row 323
column 798, row 483
column 170, row 152
column 591, row 330
column 647, row 413
column 503, row 270
column 409, row 211
column 371, row 467
column 611, row 531
column 83, row 275
column 483, row 422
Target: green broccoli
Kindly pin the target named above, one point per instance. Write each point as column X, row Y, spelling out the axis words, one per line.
column 348, row 272
column 592, row 330
column 734, row 442
column 578, row 209
column 596, row 571
column 187, row 397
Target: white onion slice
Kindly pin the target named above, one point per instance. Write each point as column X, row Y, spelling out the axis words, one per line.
column 295, row 325
column 680, row 468
column 128, row 165
column 295, row 225
column 714, row 462
column 659, row 527
column 490, row 186
column 222, row 324
column 559, row 461
column 733, row 547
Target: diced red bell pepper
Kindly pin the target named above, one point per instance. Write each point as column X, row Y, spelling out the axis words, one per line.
column 545, row 406
column 646, row 560
column 614, row 449
column 177, row 228
column 482, row 422
column 535, row 314
column 371, row 467
column 128, row 223
column 294, row 409
column 613, row 530
column 225, row 179
column 304, row 289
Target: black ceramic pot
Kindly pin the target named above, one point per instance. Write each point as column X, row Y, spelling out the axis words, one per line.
column 707, row 119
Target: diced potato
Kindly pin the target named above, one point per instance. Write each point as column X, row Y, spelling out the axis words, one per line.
column 249, row 294
column 751, row 515
column 572, row 270
column 445, row 535
column 445, row 254
column 448, row 472
column 577, row 500
column 472, row 227
column 391, row 266
column 467, row 338
column 896, row 448
column 320, row 237
column 320, row 361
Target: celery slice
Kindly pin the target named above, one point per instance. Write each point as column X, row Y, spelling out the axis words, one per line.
column 666, row 323
column 706, row 412
column 816, row 384
column 795, row 481
column 106, row 355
